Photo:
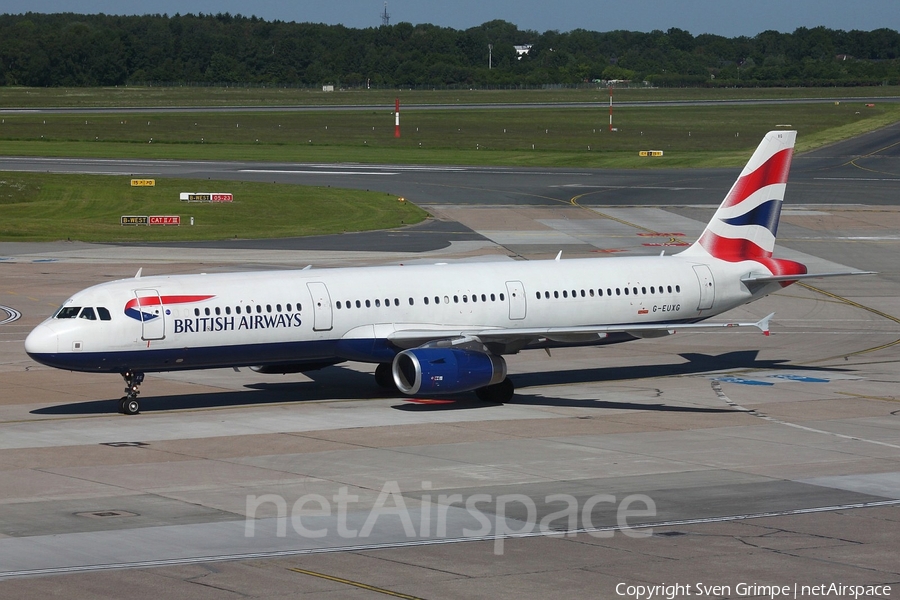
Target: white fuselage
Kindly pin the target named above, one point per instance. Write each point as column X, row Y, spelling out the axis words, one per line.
column 328, row 315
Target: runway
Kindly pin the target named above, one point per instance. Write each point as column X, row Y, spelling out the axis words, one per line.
column 722, row 458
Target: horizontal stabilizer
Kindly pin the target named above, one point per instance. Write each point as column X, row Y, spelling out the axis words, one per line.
column 774, row 278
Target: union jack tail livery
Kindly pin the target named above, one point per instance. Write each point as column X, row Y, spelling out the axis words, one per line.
column 745, row 226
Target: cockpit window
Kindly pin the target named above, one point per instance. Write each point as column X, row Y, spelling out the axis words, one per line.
column 68, row 312
column 88, row 313
column 104, row 314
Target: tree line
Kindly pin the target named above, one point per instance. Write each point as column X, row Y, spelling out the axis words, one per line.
column 47, row 50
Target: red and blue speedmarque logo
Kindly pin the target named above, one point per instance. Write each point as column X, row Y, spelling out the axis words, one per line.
column 133, row 306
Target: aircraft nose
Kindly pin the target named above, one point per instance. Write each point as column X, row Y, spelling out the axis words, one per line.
column 42, row 340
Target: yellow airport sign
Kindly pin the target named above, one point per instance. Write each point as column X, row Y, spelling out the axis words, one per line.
column 143, row 182
column 650, row 153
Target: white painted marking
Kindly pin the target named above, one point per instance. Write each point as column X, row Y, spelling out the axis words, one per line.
column 717, row 388
column 323, row 172
column 12, row 315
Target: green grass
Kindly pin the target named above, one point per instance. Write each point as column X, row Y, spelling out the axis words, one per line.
column 573, row 137
column 40, row 207
column 139, row 96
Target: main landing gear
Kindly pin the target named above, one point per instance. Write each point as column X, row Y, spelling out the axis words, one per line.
column 497, row 393
column 128, row 404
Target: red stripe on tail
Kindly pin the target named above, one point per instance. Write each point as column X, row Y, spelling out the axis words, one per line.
column 775, row 170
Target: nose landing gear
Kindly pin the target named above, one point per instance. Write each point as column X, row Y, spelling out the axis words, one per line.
column 128, row 404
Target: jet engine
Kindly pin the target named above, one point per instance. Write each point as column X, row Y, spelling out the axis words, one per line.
column 446, row 370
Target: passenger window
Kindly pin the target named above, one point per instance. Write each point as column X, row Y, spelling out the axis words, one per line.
column 258, row 308
column 358, row 304
column 619, row 291
column 277, row 308
column 288, row 307
column 592, row 292
column 600, row 292
column 368, row 304
column 338, row 304
column 643, row 290
column 634, row 290
column 446, row 299
column 455, row 299
column 502, row 297
column 546, row 295
column 104, row 314
column 87, row 313
column 626, row 291
column 411, row 301
column 426, row 299
column 237, row 310
column 68, row 312
column 397, row 301
column 196, row 312
column 582, row 293
column 218, row 311
column 538, row 295
column 493, row 298
column 268, row 308
column 377, row 303
column 556, row 294
column 565, row 293
column 670, row 289
column 678, row 288
column 227, row 310
column 484, row 298
column 652, row 290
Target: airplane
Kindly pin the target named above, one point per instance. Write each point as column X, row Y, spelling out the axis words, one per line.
column 431, row 329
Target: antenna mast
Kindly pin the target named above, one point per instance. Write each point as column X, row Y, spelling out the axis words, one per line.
column 385, row 17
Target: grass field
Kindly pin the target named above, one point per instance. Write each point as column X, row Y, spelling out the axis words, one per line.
column 573, row 137
column 41, row 207
column 84, row 207
column 138, row 96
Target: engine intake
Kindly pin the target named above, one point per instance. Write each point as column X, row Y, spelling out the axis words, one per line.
column 446, row 370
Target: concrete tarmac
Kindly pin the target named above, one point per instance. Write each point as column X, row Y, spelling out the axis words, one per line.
column 724, row 459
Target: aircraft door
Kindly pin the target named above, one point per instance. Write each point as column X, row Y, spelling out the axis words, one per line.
column 707, row 287
column 322, row 315
column 153, row 320
column 516, row 292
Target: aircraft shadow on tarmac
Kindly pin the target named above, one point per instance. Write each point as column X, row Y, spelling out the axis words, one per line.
column 337, row 383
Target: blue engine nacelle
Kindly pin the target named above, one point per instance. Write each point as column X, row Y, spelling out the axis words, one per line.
column 446, row 370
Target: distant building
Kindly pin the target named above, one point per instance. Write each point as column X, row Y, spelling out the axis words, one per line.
column 522, row 50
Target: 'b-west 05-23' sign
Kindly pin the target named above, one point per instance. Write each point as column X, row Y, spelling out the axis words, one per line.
column 206, row 197
column 151, row 220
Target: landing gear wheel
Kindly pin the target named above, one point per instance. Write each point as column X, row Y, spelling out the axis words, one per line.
column 129, row 406
column 497, row 393
column 384, row 377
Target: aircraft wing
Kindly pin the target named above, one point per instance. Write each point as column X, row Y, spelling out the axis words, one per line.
column 410, row 338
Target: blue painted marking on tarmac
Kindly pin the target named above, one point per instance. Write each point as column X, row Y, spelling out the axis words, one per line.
column 802, row 378
column 45, row 260
column 743, row 381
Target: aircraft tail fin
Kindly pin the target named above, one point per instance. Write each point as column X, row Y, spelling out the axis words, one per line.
column 746, row 223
